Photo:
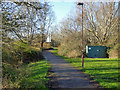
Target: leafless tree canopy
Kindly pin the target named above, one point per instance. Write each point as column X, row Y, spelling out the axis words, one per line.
column 23, row 20
column 100, row 22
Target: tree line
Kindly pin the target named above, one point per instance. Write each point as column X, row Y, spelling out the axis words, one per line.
column 100, row 27
column 24, row 28
column 25, row 20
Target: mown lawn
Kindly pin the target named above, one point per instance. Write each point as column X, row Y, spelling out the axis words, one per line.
column 35, row 75
column 103, row 70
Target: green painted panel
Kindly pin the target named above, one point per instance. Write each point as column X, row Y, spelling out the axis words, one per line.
column 96, row 51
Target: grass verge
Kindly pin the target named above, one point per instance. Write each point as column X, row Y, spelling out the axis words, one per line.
column 35, row 75
column 32, row 75
column 105, row 71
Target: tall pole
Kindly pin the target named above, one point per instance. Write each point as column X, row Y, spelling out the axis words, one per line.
column 82, row 35
column 82, row 39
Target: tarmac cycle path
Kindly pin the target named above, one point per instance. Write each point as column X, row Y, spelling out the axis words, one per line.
column 67, row 76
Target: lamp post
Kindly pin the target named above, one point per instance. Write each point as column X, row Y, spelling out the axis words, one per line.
column 82, row 35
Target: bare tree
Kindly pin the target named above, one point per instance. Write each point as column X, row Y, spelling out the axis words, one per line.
column 25, row 19
column 100, row 20
column 46, row 20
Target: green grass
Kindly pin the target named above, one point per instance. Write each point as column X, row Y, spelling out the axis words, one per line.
column 54, row 51
column 103, row 70
column 35, row 76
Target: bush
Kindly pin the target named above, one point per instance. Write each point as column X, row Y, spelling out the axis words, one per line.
column 27, row 53
column 71, row 46
column 32, row 56
column 37, row 45
column 47, row 45
column 113, row 52
column 11, row 76
column 9, row 55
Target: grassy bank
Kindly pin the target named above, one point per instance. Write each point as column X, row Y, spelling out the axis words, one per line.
column 23, row 66
column 32, row 75
column 35, row 76
column 103, row 70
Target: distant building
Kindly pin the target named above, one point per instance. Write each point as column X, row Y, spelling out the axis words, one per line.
column 48, row 40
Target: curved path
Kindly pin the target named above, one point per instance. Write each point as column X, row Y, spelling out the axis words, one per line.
column 66, row 75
